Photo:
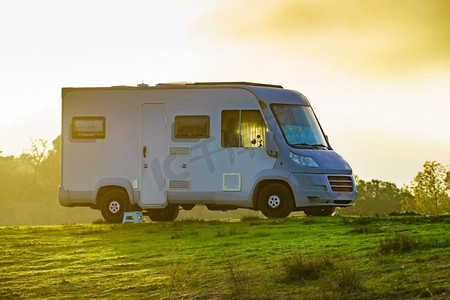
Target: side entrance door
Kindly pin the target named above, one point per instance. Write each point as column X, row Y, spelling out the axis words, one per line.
column 153, row 151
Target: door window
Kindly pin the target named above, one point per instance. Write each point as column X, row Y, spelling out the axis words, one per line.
column 243, row 128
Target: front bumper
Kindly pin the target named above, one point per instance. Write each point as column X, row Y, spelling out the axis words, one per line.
column 316, row 190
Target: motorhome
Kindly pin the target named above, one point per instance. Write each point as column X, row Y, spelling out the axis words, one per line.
column 225, row 145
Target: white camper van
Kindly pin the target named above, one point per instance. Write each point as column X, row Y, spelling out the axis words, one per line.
column 223, row 145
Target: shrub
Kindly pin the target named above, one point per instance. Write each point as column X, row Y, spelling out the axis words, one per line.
column 404, row 213
column 182, row 274
column 357, row 220
column 297, row 268
column 239, row 278
column 308, row 221
column 251, row 218
column 399, row 243
column 349, row 280
column 99, row 221
column 231, row 231
column 365, row 229
column 178, row 234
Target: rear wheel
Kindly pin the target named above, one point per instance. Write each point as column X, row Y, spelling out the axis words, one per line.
column 275, row 201
column 115, row 203
column 323, row 211
column 167, row 214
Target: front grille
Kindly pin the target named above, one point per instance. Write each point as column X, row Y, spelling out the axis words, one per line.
column 341, row 183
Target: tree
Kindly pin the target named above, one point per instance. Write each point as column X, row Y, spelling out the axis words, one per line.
column 37, row 152
column 376, row 197
column 447, row 179
column 431, row 190
column 29, row 188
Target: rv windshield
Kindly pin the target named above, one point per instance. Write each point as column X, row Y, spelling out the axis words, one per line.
column 299, row 126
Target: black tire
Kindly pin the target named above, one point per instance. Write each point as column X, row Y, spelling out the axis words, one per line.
column 320, row 211
column 167, row 214
column 114, row 204
column 276, row 201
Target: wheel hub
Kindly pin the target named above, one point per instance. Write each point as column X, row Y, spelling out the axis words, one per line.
column 114, row 207
column 274, row 201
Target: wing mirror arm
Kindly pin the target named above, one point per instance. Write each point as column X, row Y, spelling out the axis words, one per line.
column 271, row 146
column 328, row 142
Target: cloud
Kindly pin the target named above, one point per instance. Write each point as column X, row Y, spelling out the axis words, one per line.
column 379, row 37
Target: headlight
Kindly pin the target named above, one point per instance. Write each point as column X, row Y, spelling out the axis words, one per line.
column 304, row 161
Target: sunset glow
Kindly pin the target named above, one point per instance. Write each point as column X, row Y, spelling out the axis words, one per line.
column 377, row 73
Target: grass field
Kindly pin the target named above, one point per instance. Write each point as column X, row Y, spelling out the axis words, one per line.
column 309, row 258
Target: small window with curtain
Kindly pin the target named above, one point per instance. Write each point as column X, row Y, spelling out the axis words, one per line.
column 191, row 127
column 88, row 127
column 243, row 128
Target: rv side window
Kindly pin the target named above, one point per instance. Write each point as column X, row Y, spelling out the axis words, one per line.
column 88, row 127
column 243, row 128
column 191, row 127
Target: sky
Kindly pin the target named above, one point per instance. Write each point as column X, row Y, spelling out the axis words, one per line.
column 377, row 73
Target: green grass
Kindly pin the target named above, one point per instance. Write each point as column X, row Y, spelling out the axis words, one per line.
column 309, row 258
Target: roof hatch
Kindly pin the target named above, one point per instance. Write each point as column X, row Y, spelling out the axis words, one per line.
column 185, row 83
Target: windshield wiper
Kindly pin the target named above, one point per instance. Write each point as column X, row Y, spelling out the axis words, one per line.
column 309, row 146
column 320, row 146
column 303, row 145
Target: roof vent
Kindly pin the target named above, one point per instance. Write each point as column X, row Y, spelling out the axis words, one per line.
column 176, row 83
column 241, row 83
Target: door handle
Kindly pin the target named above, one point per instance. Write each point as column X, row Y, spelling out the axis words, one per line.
column 144, row 151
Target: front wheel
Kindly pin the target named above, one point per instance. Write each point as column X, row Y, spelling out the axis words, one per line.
column 167, row 214
column 275, row 201
column 323, row 211
column 115, row 203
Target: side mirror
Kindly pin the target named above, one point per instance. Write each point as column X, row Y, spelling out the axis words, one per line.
column 328, row 142
column 271, row 146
